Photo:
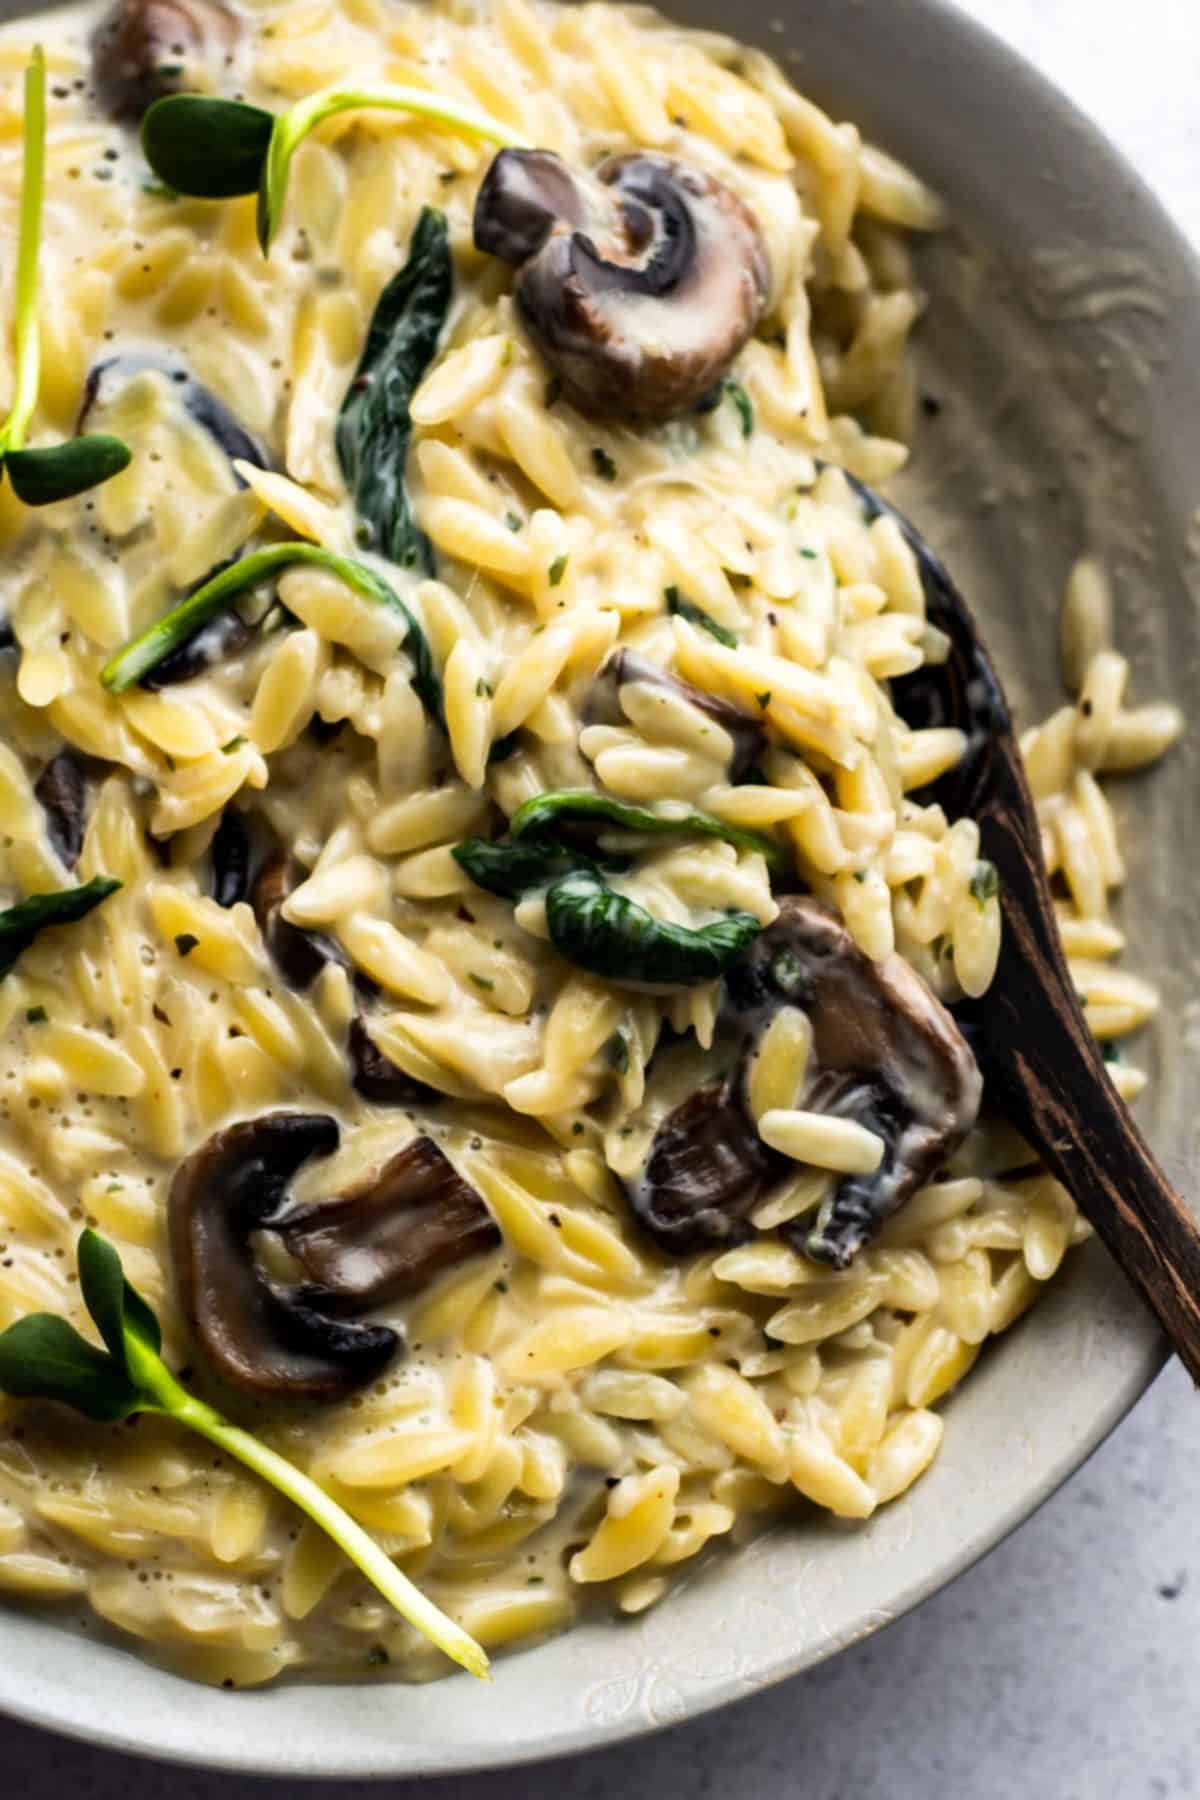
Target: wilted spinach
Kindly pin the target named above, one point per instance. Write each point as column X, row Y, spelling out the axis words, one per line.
column 375, row 425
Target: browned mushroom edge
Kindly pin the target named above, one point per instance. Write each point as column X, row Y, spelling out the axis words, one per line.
column 301, row 955
column 376, row 1077
column 625, row 667
column 62, row 792
column 229, row 632
column 259, row 1335
column 639, row 282
column 145, row 49
column 382, row 1239
column 389, row 1233
column 885, row 1053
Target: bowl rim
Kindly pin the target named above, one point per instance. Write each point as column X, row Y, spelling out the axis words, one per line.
column 65, row 1712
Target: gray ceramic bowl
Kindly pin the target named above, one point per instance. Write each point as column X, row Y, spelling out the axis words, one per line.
column 1063, row 354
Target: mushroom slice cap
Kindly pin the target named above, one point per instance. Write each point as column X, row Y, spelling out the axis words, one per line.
column 229, row 858
column 624, row 667
column 885, row 1052
column 392, row 1231
column 62, row 792
column 301, row 955
column 258, row 1335
column 145, row 49
column 706, row 1171
column 376, row 1077
column 640, row 283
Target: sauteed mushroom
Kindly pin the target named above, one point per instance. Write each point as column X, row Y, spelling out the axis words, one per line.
column 301, row 955
column 258, row 1334
column 377, row 1078
column 229, row 857
column 706, row 1171
column 106, row 379
column 144, row 49
column 625, row 667
column 885, row 1052
column 61, row 789
column 639, row 282
column 389, row 1233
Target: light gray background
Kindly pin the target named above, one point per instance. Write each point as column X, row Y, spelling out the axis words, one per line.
column 1066, row 1665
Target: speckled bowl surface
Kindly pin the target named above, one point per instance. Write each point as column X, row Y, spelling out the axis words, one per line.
column 1060, row 344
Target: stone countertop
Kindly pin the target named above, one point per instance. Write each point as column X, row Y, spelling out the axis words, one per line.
column 1065, row 1666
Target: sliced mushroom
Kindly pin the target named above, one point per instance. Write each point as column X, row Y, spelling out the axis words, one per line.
column 390, row 1233
column 144, row 49
column 885, row 1053
column 377, row 1078
column 229, row 858
column 62, row 791
column 106, row 380
column 706, row 1171
column 625, row 667
column 301, row 955
column 639, row 282
column 259, row 1335
column 222, row 637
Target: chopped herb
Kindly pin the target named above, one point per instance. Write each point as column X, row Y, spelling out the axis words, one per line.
column 114, row 1187
column 185, row 942
column 535, row 1581
column 616, row 1052
column 577, row 1129
column 36, row 1015
column 810, row 555
column 683, row 608
column 860, row 875
column 603, row 463
column 377, row 1657
column 1111, row 1052
column 514, row 521
column 985, row 882
column 483, row 689
column 764, row 699
column 482, row 981
column 501, row 1287
column 742, row 403
column 235, row 743
column 557, row 569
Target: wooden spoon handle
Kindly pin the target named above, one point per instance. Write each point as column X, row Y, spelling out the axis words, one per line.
column 1044, row 1067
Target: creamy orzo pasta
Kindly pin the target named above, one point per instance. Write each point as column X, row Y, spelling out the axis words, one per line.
column 519, row 1063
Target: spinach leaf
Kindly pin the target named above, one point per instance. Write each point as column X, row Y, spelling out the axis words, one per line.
column 682, row 608
column 601, row 931
column 374, row 425
column 514, row 870
column 164, row 637
column 43, row 1357
column 573, row 812
column 20, row 924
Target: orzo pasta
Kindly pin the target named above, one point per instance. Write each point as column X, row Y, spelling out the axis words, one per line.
column 526, row 871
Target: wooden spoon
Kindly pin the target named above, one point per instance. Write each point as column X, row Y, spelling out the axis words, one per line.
column 1039, row 1060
